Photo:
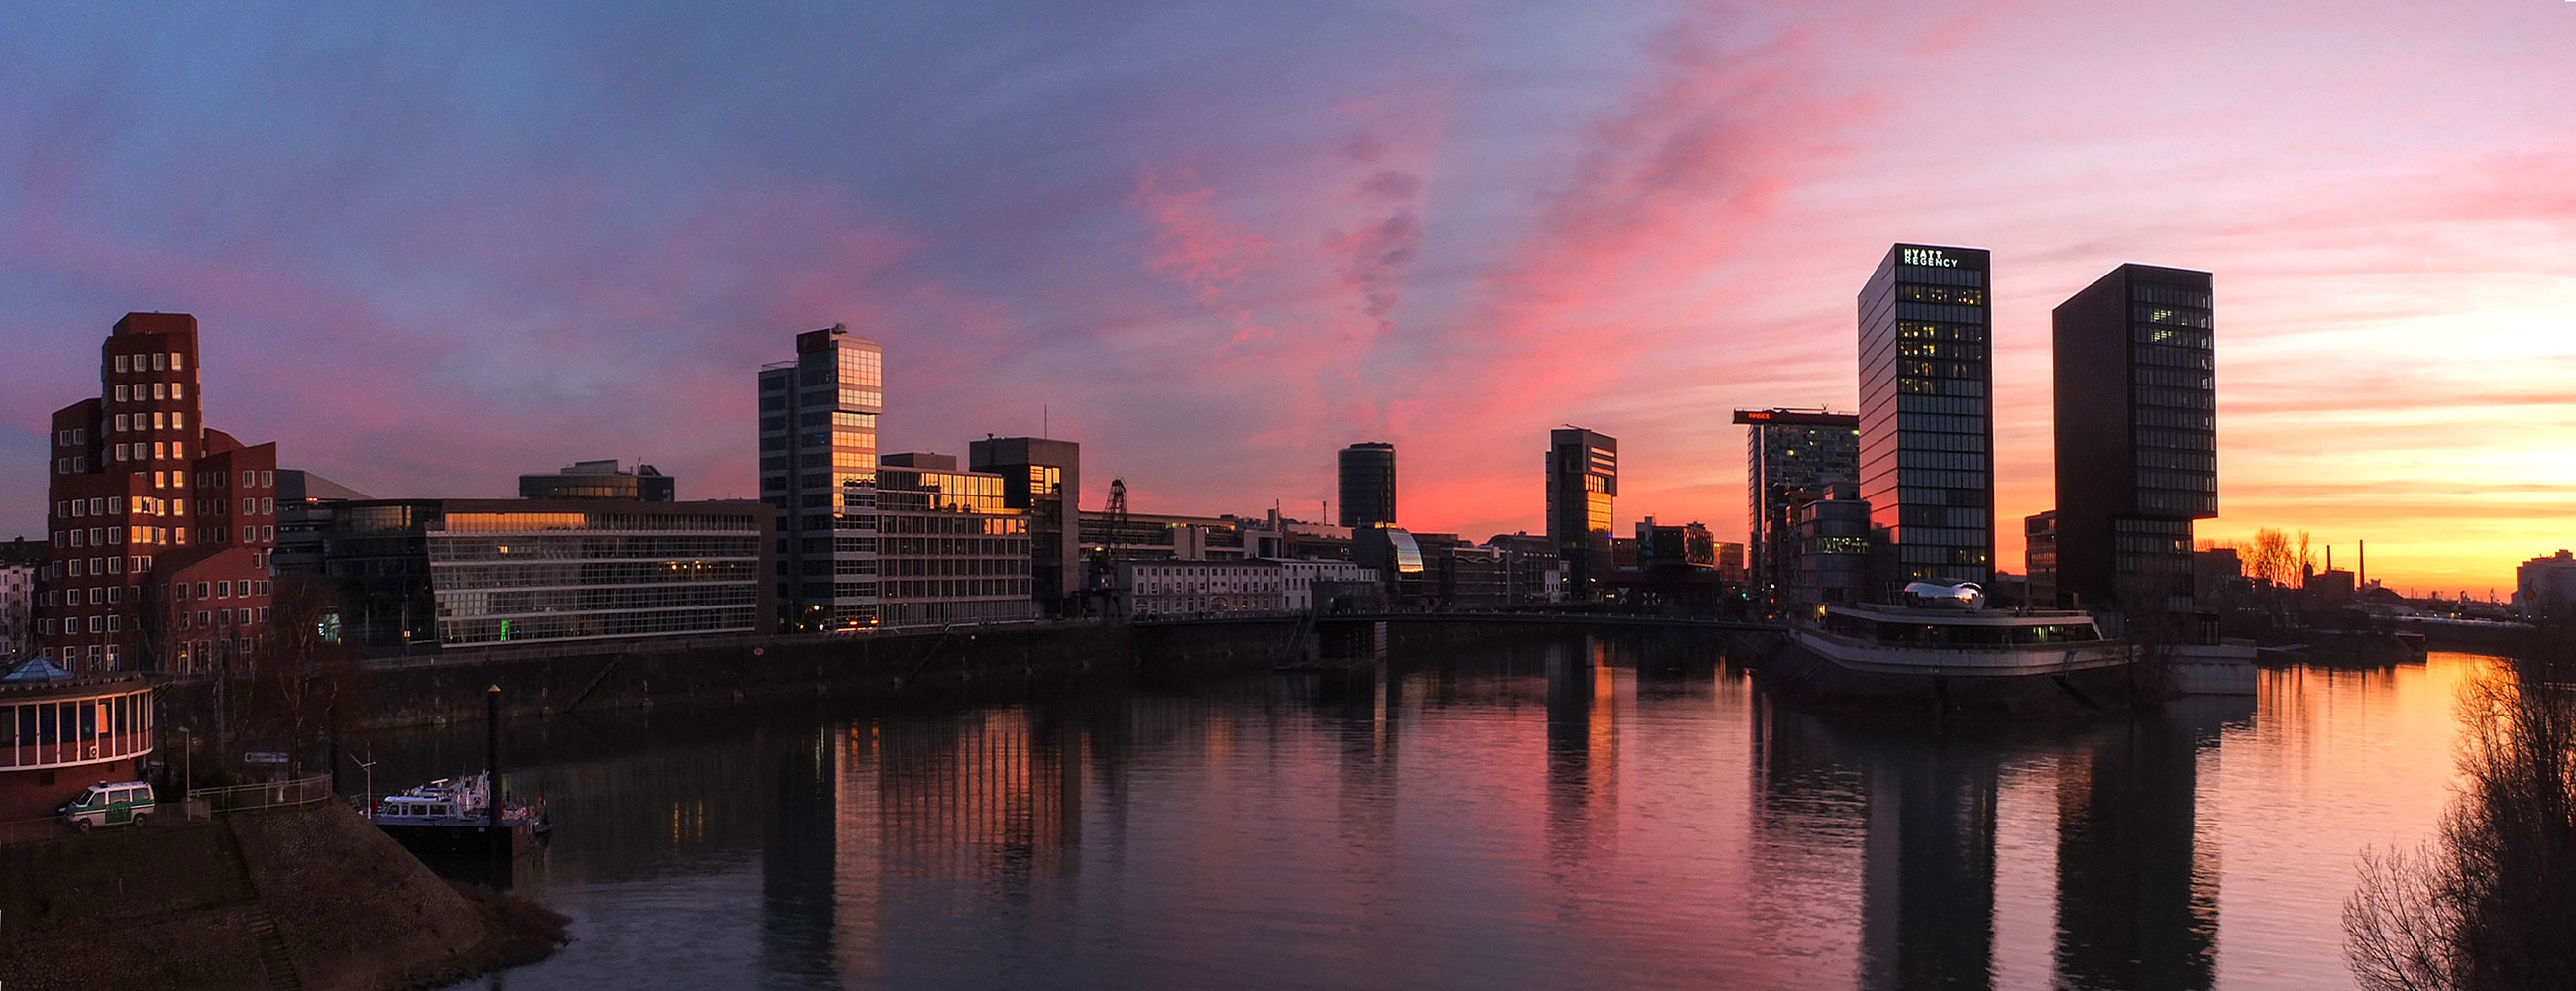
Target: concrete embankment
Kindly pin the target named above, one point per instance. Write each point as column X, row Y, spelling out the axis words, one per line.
column 290, row 897
column 537, row 681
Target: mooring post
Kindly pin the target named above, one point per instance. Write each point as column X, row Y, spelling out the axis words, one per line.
column 492, row 752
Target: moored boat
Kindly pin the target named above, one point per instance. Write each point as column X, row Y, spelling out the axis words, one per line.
column 455, row 815
column 1944, row 650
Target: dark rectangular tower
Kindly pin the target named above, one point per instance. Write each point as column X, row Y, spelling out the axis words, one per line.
column 2137, row 436
column 1368, row 485
column 1582, row 478
column 1927, row 462
column 1042, row 477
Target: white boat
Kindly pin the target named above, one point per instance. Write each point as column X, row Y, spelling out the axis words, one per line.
column 1945, row 650
column 452, row 813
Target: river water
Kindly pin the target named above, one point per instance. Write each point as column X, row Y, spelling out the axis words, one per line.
column 1579, row 815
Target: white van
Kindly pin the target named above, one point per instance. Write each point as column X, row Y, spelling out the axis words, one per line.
column 105, row 804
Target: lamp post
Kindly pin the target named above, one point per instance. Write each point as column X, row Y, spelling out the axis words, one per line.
column 369, row 767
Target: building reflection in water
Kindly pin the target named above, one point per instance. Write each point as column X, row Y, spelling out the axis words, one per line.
column 1582, row 754
column 2137, row 882
column 938, row 814
column 2136, row 885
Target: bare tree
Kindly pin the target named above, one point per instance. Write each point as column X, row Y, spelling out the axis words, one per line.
column 2270, row 557
column 2494, row 906
column 305, row 679
column 2305, row 561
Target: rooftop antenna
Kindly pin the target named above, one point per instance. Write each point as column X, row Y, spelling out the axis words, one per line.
column 1046, row 417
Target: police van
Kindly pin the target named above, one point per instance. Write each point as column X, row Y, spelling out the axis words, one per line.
column 110, row 805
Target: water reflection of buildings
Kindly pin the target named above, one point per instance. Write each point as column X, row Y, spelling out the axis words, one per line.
column 1582, row 753
column 1928, row 863
column 2137, row 879
column 2135, row 889
column 986, row 803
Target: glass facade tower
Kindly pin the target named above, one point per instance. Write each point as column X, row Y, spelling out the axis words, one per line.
column 1582, row 479
column 1927, row 463
column 2137, row 436
column 818, row 435
column 1790, row 456
column 1367, row 476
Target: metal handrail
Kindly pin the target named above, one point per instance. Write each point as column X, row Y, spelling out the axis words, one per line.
column 266, row 794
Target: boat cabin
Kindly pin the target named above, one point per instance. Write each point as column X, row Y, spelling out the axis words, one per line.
column 1955, row 628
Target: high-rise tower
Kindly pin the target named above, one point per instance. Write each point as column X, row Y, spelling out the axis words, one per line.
column 2137, row 436
column 1582, row 478
column 1368, row 484
column 1789, row 453
column 818, row 435
column 1927, row 462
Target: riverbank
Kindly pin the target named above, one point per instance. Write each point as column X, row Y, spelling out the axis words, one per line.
column 304, row 896
column 553, row 680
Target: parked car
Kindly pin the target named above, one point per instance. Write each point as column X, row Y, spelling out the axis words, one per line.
column 104, row 804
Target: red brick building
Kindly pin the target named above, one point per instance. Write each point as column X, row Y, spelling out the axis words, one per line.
column 161, row 528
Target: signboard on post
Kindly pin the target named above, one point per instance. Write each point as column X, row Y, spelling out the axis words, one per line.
column 264, row 757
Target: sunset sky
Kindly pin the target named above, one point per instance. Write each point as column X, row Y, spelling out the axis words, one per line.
column 1216, row 242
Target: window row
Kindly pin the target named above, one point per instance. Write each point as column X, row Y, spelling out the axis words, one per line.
column 160, row 361
column 1940, row 378
column 2183, row 399
column 222, row 617
column 159, row 451
column 137, row 392
column 2169, row 296
column 136, row 423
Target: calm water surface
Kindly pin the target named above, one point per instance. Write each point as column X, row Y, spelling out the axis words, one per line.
column 1555, row 816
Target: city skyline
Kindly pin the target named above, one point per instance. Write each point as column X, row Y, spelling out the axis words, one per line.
column 1664, row 245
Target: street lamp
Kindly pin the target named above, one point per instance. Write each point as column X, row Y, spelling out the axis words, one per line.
column 369, row 767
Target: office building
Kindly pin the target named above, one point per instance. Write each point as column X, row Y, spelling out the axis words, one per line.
column 444, row 574
column 143, row 495
column 1123, row 536
column 818, row 434
column 1787, row 452
column 1832, row 531
column 1042, row 478
column 2039, row 557
column 2545, row 587
column 1163, row 589
column 1533, row 574
column 1927, row 462
column 949, row 548
column 1276, row 536
column 1582, row 479
column 601, row 480
column 1402, row 568
column 1368, row 485
column 305, row 503
column 2137, row 437
column 1301, row 577
column 1462, row 575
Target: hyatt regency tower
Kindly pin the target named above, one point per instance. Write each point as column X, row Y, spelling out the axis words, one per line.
column 1927, row 463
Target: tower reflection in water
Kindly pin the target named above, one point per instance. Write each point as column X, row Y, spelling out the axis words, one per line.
column 1963, row 855
column 2136, row 887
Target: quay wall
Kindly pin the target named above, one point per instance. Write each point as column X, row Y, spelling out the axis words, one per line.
column 547, row 680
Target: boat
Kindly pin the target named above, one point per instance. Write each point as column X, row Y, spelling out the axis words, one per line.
column 455, row 815
column 1943, row 649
